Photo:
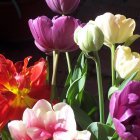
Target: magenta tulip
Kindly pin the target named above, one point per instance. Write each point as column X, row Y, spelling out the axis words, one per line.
column 63, row 6
column 55, row 34
column 125, row 111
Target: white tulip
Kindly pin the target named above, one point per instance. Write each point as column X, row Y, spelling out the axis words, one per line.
column 127, row 62
column 116, row 28
column 89, row 38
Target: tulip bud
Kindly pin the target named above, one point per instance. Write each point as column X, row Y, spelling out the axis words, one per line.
column 89, row 38
column 116, row 28
column 127, row 62
column 63, row 6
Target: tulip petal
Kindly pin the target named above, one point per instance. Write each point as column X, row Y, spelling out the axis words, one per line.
column 126, row 115
column 38, row 134
column 49, row 34
column 67, row 115
column 15, row 128
column 42, row 104
column 120, row 128
column 54, row 5
column 133, row 98
column 116, row 28
column 62, row 136
column 83, row 135
column 62, row 31
column 114, row 104
column 62, row 6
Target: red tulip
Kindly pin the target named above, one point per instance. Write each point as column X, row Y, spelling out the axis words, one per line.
column 20, row 87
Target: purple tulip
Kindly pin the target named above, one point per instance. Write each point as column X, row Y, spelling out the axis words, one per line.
column 55, row 34
column 125, row 111
column 63, row 6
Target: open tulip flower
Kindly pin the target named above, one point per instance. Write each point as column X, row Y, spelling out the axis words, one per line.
column 125, row 111
column 55, row 34
column 43, row 122
column 116, row 28
column 20, row 87
column 127, row 62
column 63, row 6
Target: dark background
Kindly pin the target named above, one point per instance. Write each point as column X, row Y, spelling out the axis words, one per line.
column 16, row 41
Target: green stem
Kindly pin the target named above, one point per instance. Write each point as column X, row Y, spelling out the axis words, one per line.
column 109, row 120
column 48, row 71
column 100, row 86
column 113, row 73
column 53, row 83
column 68, row 62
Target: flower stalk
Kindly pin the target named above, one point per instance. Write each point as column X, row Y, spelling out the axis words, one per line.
column 113, row 73
column 53, row 82
column 100, row 86
column 68, row 62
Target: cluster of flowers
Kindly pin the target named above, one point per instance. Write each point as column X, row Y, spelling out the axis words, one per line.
column 25, row 93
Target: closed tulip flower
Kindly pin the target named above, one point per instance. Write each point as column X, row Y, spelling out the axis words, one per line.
column 116, row 28
column 89, row 38
column 63, row 6
column 125, row 111
column 44, row 122
column 127, row 62
column 55, row 34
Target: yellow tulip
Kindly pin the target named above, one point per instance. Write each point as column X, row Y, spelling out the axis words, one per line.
column 127, row 62
column 116, row 28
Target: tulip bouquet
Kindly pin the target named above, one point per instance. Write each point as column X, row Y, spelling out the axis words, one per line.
column 31, row 107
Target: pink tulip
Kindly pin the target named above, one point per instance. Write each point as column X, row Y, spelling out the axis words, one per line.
column 63, row 6
column 55, row 34
column 43, row 122
column 125, row 111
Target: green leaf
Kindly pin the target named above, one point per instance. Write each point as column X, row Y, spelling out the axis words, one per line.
column 100, row 131
column 69, row 77
column 5, row 135
column 125, row 82
column 131, row 39
column 77, row 82
column 111, row 91
column 74, row 93
column 115, row 136
column 89, row 104
column 81, row 117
